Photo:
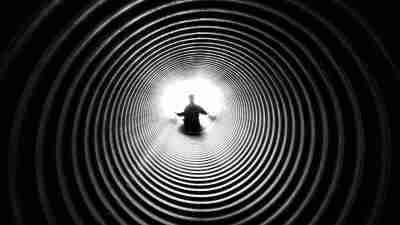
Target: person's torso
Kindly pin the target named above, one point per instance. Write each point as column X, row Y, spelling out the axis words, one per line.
column 192, row 111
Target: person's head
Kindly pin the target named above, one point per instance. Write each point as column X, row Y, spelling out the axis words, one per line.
column 191, row 98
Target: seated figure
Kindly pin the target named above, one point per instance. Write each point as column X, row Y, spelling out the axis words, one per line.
column 191, row 122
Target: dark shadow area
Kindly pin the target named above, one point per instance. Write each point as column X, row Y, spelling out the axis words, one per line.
column 192, row 133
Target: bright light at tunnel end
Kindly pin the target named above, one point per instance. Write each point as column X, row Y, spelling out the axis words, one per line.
column 174, row 95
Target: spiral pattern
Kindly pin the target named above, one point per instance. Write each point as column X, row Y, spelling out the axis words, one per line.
column 304, row 137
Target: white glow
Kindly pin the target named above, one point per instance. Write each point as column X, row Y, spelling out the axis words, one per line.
column 174, row 97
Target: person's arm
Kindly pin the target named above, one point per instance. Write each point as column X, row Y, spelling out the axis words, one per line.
column 180, row 114
column 202, row 111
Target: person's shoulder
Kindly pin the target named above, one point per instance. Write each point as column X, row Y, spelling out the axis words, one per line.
column 199, row 107
column 196, row 106
column 188, row 107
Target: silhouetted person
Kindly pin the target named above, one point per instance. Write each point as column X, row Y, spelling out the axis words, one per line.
column 191, row 122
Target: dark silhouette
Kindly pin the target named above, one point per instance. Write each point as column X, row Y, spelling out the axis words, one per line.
column 191, row 122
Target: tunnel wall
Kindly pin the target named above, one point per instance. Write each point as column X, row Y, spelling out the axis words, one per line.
column 306, row 136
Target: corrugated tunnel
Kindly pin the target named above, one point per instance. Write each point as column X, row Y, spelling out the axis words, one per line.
column 298, row 116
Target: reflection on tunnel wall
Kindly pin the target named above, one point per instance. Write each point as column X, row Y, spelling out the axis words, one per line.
column 303, row 137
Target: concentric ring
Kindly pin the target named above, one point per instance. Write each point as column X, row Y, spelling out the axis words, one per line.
column 304, row 137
